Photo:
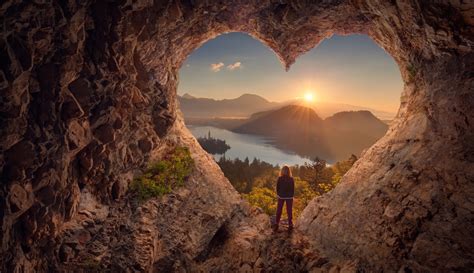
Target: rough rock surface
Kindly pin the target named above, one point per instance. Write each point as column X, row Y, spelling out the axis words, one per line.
column 88, row 97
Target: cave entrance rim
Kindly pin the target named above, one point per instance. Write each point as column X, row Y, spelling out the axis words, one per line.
column 201, row 62
column 283, row 55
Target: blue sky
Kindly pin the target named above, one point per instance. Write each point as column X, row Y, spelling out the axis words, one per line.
column 342, row 69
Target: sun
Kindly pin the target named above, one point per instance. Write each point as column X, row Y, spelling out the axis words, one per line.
column 308, row 97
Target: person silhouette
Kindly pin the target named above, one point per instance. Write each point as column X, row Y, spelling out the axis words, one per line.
column 285, row 189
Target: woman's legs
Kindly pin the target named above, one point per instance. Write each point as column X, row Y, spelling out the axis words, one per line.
column 279, row 210
column 289, row 211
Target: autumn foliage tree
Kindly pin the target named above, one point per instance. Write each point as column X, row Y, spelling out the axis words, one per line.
column 256, row 181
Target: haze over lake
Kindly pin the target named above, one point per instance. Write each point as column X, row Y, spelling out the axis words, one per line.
column 335, row 102
column 243, row 145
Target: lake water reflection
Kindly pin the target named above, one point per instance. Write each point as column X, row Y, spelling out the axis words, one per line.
column 250, row 146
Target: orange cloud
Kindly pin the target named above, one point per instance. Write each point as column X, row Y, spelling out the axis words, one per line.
column 235, row 65
column 217, row 67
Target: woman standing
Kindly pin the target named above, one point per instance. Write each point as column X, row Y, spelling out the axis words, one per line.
column 285, row 192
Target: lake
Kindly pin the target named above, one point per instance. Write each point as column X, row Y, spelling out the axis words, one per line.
column 242, row 146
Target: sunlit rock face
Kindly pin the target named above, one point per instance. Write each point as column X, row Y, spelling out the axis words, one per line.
column 88, row 97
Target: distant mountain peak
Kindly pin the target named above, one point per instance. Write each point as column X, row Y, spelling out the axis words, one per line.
column 357, row 113
column 252, row 97
column 188, row 96
column 297, row 106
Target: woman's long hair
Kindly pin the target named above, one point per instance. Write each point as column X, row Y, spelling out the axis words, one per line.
column 285, row 171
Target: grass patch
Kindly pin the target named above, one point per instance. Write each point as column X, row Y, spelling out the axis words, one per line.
column 164, row 176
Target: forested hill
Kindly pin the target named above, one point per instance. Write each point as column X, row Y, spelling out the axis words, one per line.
column 363, row 121
column 352, row 132
column 300, row 129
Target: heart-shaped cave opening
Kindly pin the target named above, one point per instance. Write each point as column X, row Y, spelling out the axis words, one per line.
column 89, row 100
column 337, row 100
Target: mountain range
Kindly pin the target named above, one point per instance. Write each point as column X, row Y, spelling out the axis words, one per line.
column 247, row 104
column 240, row 107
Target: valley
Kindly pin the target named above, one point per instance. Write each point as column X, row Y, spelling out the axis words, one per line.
column 294, row 129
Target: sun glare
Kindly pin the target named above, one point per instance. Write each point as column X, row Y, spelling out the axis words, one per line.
column 308, row 97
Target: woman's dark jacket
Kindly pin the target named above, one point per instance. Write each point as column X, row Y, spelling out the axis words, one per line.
column 285, row 187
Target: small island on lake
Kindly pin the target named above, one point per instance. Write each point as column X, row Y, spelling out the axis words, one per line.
column 213, row 145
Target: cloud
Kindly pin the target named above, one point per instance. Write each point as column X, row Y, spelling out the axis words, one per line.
column 217, row 67
column 236, row 65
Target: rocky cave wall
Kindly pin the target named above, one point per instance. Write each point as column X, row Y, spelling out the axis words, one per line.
column 89, row 97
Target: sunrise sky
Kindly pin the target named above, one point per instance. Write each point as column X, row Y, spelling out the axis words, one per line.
column 342, row 69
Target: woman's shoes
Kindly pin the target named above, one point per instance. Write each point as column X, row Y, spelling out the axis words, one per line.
column 275, row 228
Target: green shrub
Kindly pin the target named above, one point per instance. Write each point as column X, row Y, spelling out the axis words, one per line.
column 163, row 176
column 264, row 198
